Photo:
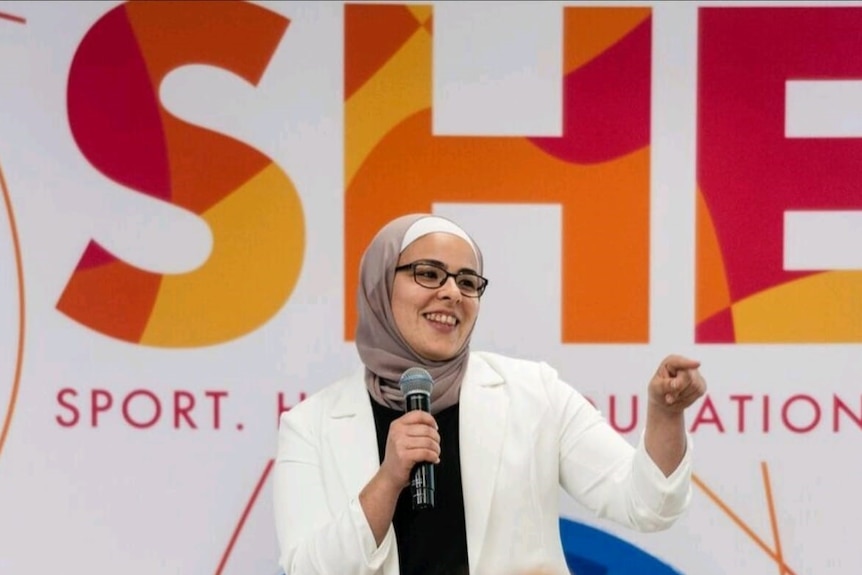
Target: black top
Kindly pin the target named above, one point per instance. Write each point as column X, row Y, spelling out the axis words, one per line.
column 430, row 541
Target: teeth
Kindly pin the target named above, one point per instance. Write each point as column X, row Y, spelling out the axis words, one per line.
column 442, row 318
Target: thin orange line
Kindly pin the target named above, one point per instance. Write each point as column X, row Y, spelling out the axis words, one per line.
column 740, row 523
column 772, row 520
column 12, row 17
column 19, row 269
column 241, row 523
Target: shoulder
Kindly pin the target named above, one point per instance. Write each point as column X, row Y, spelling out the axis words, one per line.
column 533, row 389
column 524, row 380
column 344, row 393
column 512, row 369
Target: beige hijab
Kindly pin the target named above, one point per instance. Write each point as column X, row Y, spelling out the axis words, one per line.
column 384, row 352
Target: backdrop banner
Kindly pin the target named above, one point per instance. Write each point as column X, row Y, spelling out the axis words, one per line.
column 187, row 189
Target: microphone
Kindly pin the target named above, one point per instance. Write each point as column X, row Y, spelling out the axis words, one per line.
column 416, row 386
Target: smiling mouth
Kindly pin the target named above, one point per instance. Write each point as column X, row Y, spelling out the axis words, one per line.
column 442, row 318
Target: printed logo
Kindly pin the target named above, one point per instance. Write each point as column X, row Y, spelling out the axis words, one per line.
column 250, row 205
column 598, row 170
column 750, row 173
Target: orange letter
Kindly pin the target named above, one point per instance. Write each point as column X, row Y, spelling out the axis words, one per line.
column 598, row 171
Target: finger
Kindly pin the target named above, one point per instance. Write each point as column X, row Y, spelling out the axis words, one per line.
column 689, row 379
column 411, row 457
column 413, row 425
column 425, row 451
column 675, row 363
column 681, row 382
column 421, row 443
column 696, row 389
column 691, row 394
column 418, row 417
column 674, row 390
column 684, row 397
column 422, row 431
column 670, row 385
column 428, row 455
column 417, row 424
column 671, row 398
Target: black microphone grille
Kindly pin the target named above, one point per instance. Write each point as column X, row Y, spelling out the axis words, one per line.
column 416, row 380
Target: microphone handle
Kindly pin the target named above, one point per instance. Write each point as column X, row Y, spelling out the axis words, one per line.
column 422, row 481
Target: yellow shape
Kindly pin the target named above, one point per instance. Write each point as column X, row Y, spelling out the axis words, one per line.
column 422, row 12
column 821, row 308
column 399, row 89
column 258, row 246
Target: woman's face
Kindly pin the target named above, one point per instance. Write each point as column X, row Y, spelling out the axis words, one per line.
column 435, row 322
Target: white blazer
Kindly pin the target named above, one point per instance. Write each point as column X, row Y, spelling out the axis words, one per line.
column 523, row 433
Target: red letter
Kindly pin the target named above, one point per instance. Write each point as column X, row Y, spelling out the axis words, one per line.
column 786, row 408
column 703, row 417
column 837, row 406
column 216, row 397
column 750, row 173
column 741, row 411
column 61, row 399
column 97, row 406
column 157, row 411
column 182, row 411
column 613, row 415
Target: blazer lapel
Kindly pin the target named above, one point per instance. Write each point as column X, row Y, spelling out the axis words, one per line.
column 483, row 412
column 352, row 442
column 352, row 437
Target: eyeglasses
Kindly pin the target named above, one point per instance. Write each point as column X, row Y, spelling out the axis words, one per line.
column 433, row 276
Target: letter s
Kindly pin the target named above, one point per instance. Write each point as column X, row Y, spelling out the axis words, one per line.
column 249, row 203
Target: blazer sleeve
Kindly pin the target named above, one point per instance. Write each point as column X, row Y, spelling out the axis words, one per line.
column 314, row 538
column 608, row 475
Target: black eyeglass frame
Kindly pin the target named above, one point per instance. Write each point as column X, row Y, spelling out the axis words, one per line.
column 412, row 267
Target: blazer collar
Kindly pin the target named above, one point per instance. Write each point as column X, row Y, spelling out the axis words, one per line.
column 483, row 420
column 352, row 436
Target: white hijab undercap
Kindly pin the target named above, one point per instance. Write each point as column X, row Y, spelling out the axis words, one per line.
column 435, row 224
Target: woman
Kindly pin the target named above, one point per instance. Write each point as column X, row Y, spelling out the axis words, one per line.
column 503, row 434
